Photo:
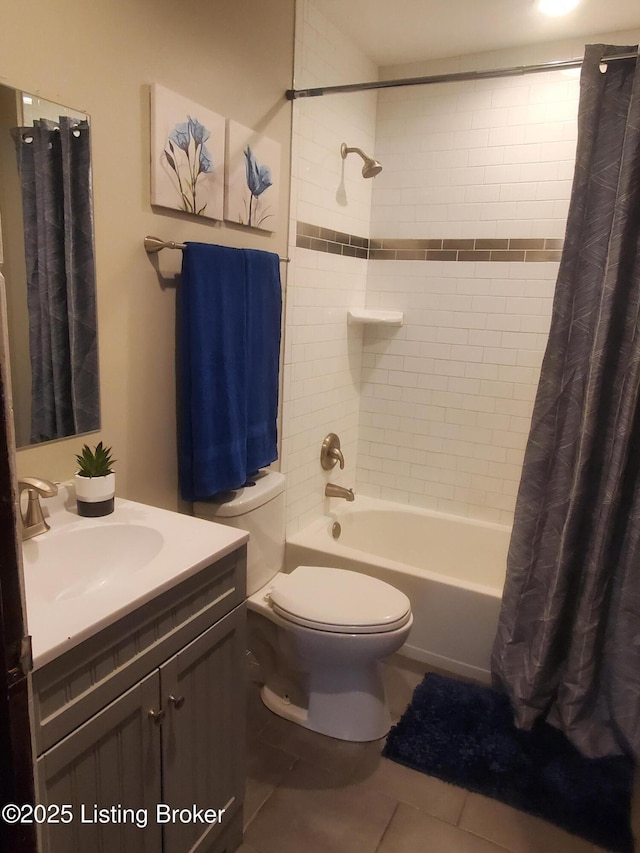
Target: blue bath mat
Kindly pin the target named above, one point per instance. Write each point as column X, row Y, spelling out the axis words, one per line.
column 464, row 734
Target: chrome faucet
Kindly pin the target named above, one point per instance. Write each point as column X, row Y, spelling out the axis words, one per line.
column 33, row 521
column 333, row 490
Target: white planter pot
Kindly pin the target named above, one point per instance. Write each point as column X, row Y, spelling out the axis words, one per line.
column 95, row 495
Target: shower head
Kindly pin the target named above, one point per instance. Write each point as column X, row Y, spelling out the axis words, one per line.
column 371, row 167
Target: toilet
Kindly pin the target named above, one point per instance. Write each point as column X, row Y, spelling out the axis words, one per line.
column 318, row 633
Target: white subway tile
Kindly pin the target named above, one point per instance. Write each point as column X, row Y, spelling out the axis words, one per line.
column 486, row 156
column 499, row 355
column 465, row 385
column 503, row 322
column 536, row 324
column 481, row 371
column 489, row 484
column 452, row 336
column 509, row 373
column 519, row 340
column 519, row 408
column 489, row 304
column 467, row 353
column 497, row 389
column 447, row 399
column 486, row 159
column 510, row 173
column 503, row 136
column 478, row 403
column 493, row 420
column 469, row 175
column 509, row 97
column 446, row 367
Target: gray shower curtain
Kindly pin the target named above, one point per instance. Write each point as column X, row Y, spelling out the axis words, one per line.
column 568, row 640
column 55, row 172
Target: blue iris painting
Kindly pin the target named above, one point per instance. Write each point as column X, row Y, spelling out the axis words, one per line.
column 188, row 158
column 258, row 180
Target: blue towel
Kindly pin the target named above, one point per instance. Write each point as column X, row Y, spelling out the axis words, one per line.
column 229, row 315
column 264, row 313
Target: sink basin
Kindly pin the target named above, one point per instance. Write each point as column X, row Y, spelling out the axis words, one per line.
column 86, row 560
column 84, row 574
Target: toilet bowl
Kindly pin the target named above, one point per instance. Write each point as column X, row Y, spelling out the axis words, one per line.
column 318, row 633
column 331, row 628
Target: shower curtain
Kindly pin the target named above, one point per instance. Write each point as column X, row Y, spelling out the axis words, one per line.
column 568, row 640
column 55, row 172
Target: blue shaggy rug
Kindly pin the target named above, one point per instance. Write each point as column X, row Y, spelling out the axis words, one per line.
column 464, row 734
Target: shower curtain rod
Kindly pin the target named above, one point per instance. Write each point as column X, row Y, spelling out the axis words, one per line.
column 293, row 94
column 155, row 244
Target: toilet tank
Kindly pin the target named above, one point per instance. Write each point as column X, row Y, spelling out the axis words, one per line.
column 259, row 509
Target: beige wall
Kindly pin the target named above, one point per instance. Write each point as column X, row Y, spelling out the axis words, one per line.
column 14, row 266
column 232, row 56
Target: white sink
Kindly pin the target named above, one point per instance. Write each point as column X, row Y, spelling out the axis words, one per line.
column 86, row 560
column 86, row 573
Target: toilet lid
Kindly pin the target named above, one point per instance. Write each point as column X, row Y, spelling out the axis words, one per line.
column 337, row 600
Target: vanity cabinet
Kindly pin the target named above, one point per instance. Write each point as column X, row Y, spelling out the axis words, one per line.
column 113, row 758
column 149, row 713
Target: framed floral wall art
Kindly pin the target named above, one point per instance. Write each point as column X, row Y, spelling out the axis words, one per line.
column 252, row 178
column 187, row 155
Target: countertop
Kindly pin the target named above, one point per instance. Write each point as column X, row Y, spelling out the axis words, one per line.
column 63, row 608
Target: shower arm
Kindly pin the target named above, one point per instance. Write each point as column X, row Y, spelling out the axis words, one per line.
column 344, row 150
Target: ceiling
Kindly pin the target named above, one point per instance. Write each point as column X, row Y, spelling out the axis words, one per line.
column 392, row 32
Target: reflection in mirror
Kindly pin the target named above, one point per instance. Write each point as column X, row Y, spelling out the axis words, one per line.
column 47, row 231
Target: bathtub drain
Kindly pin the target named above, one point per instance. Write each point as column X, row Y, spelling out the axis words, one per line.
column 336, row 530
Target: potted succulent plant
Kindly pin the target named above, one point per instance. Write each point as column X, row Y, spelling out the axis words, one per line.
column 95, row 481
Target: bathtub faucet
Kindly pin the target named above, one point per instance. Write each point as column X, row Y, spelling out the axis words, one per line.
column 332, row 490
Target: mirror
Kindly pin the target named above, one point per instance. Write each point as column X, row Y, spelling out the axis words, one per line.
column 48, row 266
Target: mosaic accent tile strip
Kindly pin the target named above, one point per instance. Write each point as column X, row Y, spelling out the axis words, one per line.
column 326, row 240
column 382, row 249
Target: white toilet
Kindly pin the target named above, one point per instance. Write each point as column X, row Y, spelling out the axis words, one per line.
column 318, row 633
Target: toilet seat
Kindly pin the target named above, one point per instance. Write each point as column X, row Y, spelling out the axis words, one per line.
column 340, row 601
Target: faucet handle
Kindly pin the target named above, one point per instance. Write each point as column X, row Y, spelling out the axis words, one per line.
column 330, row 452
column 336, row 453
column 43, row 487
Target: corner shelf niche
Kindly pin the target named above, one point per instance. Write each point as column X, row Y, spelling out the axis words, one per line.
column 370, row 316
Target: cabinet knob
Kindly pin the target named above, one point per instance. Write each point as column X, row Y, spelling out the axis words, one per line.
column 156, row 716
column 176, row 701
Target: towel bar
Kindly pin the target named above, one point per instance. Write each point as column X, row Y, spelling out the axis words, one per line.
column 155, row 244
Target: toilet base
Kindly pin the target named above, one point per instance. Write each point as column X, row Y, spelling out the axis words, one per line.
column 344, row 703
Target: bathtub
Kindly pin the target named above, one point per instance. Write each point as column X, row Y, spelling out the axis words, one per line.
column 451, row 568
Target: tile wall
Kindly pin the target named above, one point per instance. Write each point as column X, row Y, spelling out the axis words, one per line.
column 447, row 399
column 323, row 356
column 462, row 231
column 484, row 167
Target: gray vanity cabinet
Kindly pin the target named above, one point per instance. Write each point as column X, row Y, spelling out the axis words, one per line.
column 173, row 739
column 203, row 732
column 112, row 759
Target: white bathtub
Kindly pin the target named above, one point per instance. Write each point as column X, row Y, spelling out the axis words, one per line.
column 451, row 568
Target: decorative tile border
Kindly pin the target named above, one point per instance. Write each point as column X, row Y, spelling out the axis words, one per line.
column 336, row 242
column 382, row 249
column 478, row 249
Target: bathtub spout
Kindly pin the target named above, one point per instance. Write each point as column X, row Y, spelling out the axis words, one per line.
column 332, row 490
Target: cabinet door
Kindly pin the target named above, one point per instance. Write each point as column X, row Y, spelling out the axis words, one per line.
column 111, row 762
column 203, row 732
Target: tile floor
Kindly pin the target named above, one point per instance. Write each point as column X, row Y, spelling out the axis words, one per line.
column 307, row 793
